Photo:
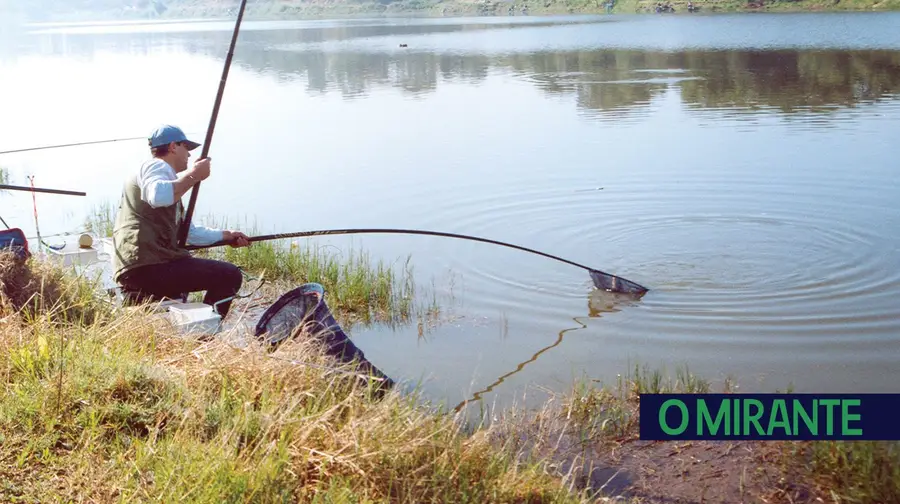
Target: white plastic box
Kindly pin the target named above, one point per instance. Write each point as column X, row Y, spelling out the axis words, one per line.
column 194, row 318
column 72, row 254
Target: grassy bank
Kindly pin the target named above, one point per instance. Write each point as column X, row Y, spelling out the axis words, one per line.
column 102, row 405
column 115, row 407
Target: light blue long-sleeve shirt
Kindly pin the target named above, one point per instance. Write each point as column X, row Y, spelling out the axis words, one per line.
column 156, row 180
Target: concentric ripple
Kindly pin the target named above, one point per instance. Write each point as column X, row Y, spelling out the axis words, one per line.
column 767, row 261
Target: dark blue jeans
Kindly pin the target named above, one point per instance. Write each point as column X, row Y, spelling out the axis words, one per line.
column 175, row 279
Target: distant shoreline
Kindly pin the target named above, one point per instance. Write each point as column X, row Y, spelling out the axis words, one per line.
column 315, row 9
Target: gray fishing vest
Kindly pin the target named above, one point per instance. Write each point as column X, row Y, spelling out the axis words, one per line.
column 144, row 235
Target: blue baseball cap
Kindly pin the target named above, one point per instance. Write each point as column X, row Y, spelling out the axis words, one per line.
column 167, row 134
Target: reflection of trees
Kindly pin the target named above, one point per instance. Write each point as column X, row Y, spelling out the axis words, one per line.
column 619, row 80
column 602, row 81
column 786, row 80
column 615, row 100
column 294, row 55
column 355, row 73
column 791, row 80
column 611, row 82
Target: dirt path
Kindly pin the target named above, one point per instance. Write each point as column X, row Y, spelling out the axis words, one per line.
column 705, row 472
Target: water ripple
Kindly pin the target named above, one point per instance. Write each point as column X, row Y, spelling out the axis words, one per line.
column 770, row 267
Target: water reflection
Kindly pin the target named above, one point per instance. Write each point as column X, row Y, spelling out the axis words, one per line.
column 477, row 396
column 611, row 82
column 600, row 302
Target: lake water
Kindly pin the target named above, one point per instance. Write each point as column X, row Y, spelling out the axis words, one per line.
column 743, row 167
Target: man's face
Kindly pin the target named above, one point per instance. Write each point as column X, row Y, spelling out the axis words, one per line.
column 182, row 154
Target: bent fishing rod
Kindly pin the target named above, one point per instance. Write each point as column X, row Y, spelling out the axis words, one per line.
column 600, row 279
column 186, row 224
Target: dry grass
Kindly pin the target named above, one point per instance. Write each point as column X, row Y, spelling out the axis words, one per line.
column 31, row 287
column 122, row 409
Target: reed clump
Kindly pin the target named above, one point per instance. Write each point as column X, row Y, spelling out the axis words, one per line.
column 854, row 471
column 357, row 286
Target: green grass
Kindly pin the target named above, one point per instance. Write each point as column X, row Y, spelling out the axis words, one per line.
column 355, row 285
column 101, row 220
column 609, row 414
column 857, row 471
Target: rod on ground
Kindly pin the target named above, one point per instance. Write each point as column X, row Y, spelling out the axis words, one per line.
column 600, row 279
column 42, row 190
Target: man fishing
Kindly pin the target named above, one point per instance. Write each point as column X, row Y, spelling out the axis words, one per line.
column 148, row 264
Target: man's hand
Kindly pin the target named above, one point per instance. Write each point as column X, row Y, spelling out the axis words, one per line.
column 191, row 177
column 200, row 170
column 236, row 239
